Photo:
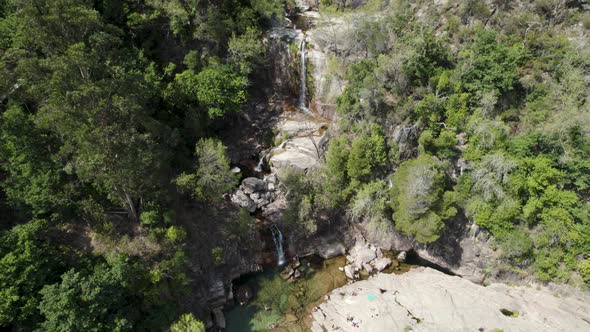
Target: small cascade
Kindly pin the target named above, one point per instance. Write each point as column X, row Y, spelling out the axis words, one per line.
column 277, row 237
column 260, row 164
column 265, row 154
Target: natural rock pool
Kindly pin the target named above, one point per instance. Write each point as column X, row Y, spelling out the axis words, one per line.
column 286, row 305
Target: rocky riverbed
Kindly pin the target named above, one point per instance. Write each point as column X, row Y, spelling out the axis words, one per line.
column 428, row 300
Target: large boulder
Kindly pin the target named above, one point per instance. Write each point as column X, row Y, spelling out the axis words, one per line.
column 382, row 263
column 428, row 300
column 361, row 253
column 330, row 250
column 402, row 256
column 462, row 248
column 273, row 212
column 240, row 198
column 253, row 185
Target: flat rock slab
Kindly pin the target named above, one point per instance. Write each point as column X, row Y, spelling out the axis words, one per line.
column 428, row 300
column 299, row 154
column 294, row 127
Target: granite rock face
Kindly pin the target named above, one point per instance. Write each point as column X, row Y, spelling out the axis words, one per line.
column 463, row 248
column 428, row 300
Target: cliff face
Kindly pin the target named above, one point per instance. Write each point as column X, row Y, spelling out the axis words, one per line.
column 283, row 60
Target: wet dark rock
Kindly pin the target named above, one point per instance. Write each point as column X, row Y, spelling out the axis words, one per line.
column 253, row 185
column 287, row 273
column 244, row 294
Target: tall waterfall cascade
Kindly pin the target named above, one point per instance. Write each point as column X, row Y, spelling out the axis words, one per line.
column 303, row 76
column 277, row 237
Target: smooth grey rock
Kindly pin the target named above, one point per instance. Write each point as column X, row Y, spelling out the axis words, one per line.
column 272, row 178
column 349, row 272
column 389, row 302
column 361, row 253
column 368, row 267
column 299, row 154
column 364, row 256
column 381, row 264
column 293, row 127
column 330, row 250
column 379, row 253
column 401, row 257
column 273, row 212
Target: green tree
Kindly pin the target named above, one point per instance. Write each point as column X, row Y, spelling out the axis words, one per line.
column 246, row 51
column 33, row 179
column 431, row 53
column 86, row 91
column 419, row 201
column 212, row 177
column 187, row 323
column 493, row 63
column 110, row 297
column 367, row 154
column 218, row 89
column 184, row 15
column 336, row 173
column 27, row 263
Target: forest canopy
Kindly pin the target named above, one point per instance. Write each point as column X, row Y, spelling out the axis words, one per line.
column 114, row 154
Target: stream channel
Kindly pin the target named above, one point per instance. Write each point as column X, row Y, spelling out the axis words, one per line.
column 283, row 295
column 285, row 305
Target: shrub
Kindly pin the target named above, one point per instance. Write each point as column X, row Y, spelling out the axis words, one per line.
column 218, row 256
column 149, row 218
column 187, row 323
column 175, row 234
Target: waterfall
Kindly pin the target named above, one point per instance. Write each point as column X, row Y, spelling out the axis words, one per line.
column 258, row 167
column 277, row 237
column 303, row 76
column 268, row 153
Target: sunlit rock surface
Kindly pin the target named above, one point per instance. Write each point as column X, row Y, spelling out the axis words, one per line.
column 428, row 300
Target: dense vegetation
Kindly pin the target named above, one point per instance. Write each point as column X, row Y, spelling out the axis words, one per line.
column 496, row 93
column 102, row 104
column 110, row 117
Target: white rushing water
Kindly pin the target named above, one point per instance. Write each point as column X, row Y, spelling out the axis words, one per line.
column 303, row 76
column 265, row 154
column 277, row 237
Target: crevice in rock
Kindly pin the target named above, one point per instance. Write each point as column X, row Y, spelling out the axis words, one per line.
column 410, row 314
